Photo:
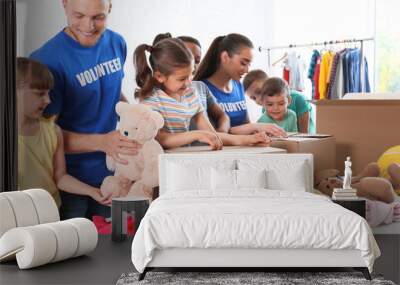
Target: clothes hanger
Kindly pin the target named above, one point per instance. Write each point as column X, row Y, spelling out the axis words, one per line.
column 356, row 44
column 345, row 44
column 280, row 59
column 330, row 46
column 323, row 49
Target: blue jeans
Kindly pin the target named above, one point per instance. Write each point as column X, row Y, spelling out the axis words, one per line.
column 75, row 206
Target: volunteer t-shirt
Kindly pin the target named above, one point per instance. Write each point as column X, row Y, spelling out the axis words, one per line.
column 233, row 103
column 87, row 86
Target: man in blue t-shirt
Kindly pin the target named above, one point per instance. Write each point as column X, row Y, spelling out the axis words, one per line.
column 87, row 60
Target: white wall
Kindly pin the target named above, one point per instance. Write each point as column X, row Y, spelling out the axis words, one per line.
column 37, row 21
column 140, row 20
column 265, row 22
column 320, row 20
column 314, row 21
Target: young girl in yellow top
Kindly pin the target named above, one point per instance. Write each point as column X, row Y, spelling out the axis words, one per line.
column 165, row 86
column 41, row 161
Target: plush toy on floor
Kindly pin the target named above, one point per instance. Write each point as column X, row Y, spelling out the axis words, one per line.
column 378, row 183
column 367, row 183
column 140, row 123
column 389, row 165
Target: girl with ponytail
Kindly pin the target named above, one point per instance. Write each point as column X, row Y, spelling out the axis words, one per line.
column 164, row 83
column 226, row 61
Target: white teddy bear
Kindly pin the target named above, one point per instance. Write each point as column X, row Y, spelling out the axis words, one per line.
column 137, row 122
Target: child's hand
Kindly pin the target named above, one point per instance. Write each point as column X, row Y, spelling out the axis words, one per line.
column 104, row 200
column 211, row 139
column 260, row 139
column 114, row 144
column 271, row 129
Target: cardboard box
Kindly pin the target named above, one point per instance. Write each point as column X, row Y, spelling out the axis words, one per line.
column 363, row 129
column 321, row 146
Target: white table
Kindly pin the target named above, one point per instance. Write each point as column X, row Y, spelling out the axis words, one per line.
column 227, row 149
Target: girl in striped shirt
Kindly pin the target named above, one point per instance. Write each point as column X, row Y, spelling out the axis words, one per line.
column 165, row 86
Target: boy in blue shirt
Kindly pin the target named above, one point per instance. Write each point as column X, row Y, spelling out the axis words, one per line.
column 274, row 96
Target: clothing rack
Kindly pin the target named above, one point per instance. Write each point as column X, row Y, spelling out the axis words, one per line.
column 325, row 43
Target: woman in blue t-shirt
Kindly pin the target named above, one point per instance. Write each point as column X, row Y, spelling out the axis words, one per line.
column 224, row 64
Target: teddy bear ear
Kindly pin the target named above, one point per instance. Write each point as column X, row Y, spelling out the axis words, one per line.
column 158, row 119
column 121, row 107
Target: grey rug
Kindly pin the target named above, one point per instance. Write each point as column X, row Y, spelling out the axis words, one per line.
column 231, row 278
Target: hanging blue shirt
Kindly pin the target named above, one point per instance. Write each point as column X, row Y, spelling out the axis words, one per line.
column 352, row 72
column 233, row 103
column 87, row 86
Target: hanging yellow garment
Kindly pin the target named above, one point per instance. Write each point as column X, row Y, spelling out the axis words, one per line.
column 325, row 71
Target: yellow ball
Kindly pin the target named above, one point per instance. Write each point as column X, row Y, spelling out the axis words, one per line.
column 392, row 155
